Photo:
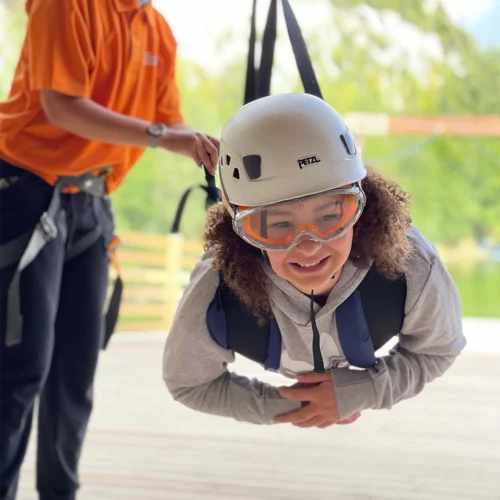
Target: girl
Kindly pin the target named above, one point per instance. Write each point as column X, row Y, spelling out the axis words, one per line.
column 302, row 227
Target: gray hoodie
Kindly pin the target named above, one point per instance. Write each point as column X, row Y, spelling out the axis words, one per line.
column 195, row 366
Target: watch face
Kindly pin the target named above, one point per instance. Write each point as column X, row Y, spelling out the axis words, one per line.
column 156, row 129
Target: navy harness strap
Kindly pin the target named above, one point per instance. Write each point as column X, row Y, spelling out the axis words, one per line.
column 370, row 317
column 353, row 332
column 241, row 325
column 383, row 302
column 366, row 320
column 233, row 327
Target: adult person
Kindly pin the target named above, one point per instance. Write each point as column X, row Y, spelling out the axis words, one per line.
column 94, row 87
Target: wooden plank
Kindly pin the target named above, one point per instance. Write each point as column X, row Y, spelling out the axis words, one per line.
column 140, row 293
column 143, row 240
column 149, row 276
column 142, row 310
column 141, row 326
column 138, row 258
column 193, row 247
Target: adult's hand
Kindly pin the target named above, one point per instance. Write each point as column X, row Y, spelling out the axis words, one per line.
column 202, row 148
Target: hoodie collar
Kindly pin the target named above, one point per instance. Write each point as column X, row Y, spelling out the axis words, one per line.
column 297, row 306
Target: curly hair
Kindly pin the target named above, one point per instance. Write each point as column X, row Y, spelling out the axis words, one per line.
column 380, row 236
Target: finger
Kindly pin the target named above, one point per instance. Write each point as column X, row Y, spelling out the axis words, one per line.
column 204, row 157
column 212, row 150
column 197, row 159
column 350, row 420
column 311, row 378
column 327, row 423
column 215, row 142
column 299, row 394
column 305, row 413
column 213, row 154
column 312, row 422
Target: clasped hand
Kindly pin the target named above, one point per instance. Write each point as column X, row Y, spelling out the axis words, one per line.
column 319, row 405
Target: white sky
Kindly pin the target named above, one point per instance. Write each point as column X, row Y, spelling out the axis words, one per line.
column 467, row 10
column 197, row 24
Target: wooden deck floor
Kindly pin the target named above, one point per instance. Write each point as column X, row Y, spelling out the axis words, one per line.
column 442, row 445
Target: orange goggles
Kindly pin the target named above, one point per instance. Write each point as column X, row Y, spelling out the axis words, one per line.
column 322, row 217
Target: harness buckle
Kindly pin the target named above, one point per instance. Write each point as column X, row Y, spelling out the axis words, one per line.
column 48, row 226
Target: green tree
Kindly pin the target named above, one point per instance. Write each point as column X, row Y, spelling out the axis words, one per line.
column 454, row 182
column 12, row 31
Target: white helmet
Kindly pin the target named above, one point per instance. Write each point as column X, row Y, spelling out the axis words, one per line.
column 283, row 147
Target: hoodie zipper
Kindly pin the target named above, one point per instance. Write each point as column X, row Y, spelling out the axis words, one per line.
column 319, row 366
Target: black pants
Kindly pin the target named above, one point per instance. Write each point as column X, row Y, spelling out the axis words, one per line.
column 62, row 303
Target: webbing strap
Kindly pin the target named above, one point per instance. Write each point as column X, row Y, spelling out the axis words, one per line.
column 366, row 321
column 176, row 225
column 244, row 334
column 113, row 311
column 258, row 80
column 251, row 74
column 11, row 251
column 45, row 231
column 267, row 55
column 213, row 196
column 383, row 302
column 83, row 243
column 50, row 225
column 304, row 64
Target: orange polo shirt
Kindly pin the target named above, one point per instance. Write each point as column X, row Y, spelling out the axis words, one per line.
column 119, row 53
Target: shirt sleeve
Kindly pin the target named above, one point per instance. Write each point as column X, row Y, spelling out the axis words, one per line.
column 168, row 106
column 430, row 341
column 60, row 52
column 195, row 366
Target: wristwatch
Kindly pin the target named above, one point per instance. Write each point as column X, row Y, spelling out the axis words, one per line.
column 156, row 131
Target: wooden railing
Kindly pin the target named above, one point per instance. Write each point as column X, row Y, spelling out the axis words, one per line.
column 155, row 270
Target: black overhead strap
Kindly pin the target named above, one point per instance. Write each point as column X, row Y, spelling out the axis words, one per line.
column 213, row 192
column 383, row 303
column 251, row 75
column 304, row 64
column 213, row 196
column 267, row 55
column 258, row 80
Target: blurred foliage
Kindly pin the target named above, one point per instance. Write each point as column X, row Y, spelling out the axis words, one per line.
column 454, row 182
column 478, row 286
